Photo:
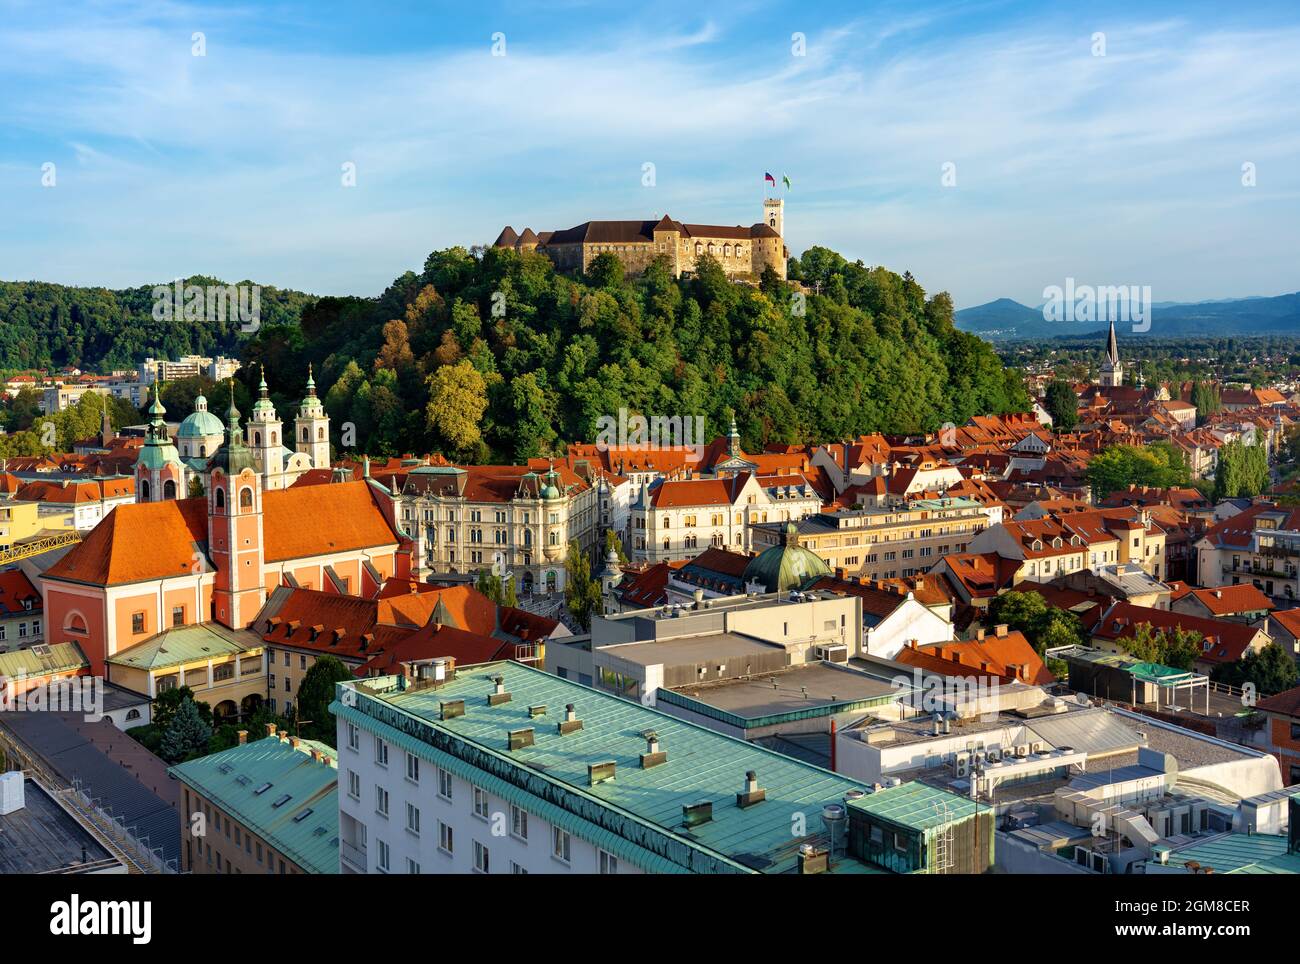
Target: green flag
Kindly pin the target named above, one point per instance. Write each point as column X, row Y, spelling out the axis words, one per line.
column 786, row 179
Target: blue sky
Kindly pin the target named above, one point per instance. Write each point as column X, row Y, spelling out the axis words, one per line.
column 1117, row 169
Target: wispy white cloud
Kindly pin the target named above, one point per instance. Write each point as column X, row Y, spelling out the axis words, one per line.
column 1066, row 163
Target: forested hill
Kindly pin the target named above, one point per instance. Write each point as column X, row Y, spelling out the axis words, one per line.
column 492, row 355
column 48, row 325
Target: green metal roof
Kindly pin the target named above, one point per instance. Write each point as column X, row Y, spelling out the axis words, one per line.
column 916, row 806
column 200, row 422
column 61, row 658
column 638, row 814
column 1235, row 853
column 786, row 566
column 230, row 778
column 186, row 644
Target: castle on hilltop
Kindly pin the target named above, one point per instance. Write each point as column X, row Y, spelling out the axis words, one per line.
column 740, row 250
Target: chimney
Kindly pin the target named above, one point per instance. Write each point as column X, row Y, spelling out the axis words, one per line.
column 979, row 635
column 1001, row 630
column 270, row 729
column 813, row 860
column 653, row 756
column 694, row 814
column 570, row 723
column 243, row 736
column 498, row 694
column 947, row 724
column 752, row 793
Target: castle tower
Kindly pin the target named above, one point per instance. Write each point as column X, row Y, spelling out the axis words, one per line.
column 234, row 495
column 1112, row 369
column 263, row 437
column 774, row 214
column 159, row 473
column 312, row 427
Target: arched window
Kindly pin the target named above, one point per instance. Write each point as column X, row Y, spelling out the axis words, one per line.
column 245, row 498
column 320, row 434
column 699, row 248
column 726, row 251
column 306, row 435
column 75, row 623
column 133, row 714
column 169, row 489
column 203, row 451
column 257, row 438
column 144, row 490
column 274, row 440
column 220, row 498
column 710, row 247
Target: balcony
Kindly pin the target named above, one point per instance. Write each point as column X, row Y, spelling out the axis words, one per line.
column 354, row 855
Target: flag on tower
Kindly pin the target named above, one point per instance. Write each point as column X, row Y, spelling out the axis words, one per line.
column 786, row 179
column 769, row 179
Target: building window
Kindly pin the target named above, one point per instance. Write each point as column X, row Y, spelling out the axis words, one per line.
column 354, row 785
column 519, row 822
column 608, row 863
column 381, row 752
column 178, row 615
column 516, row 869
column 561, row 844
column 412, row 767
column 444, row 784
column 480, row 803
column 411, row 866
column 382, row 859
column 480, row 858
column 413, row 819
column 381, row 801
column 137, row 622
column 446, row 840
column 354, row 736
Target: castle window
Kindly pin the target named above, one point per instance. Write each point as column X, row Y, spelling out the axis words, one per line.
column 320, row 434
column 203, row 451
column 144, row 490
column 710, row 247
column 699, row 248
column 245, row 498
column 726, row 251
column 220, row 498
column 305, row 435
column 274, row 440
column 169, row 489
column 257, row 438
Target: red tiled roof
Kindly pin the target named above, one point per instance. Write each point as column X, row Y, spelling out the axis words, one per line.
column 153, row 540
column 1228, row 640
column 1230, row 600
column 1286, row 703
column 15, row 589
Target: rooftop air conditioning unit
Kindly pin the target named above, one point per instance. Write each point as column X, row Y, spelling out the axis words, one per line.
column 1022, row 749
column 961, row 764
column 1038, row 747
column 833, row 654
column 994, row 754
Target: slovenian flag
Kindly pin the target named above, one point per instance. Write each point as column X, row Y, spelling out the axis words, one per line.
column 768, row 178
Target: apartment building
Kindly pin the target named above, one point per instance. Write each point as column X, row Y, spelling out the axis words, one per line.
column 502, row 768
column 21, row 611
column 889, row 542
column 265, row 807
column 511, row 517
column 1260, row 546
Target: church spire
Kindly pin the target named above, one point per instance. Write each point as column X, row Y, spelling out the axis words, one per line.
column 1112, row 346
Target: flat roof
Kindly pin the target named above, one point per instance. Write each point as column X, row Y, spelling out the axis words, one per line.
column 682, row 650
column 43, row 837
column 916, row 806
column 805, row 687
column 638, row 813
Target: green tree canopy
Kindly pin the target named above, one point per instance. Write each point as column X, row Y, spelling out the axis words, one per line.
column 315, row 693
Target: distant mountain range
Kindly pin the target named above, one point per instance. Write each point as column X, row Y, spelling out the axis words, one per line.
column 1004, row 319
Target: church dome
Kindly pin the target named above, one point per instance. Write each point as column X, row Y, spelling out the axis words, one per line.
column 200, row 423
column 787, row 566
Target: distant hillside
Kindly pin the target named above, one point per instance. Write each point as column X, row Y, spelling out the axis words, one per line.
column 49, row 325
column 1005, row 319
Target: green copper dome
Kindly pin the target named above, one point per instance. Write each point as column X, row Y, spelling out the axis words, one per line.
column 200, row 422
column 787, row 566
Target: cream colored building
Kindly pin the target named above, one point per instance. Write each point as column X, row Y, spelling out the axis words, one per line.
column 464, row 519
column 889, row 542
